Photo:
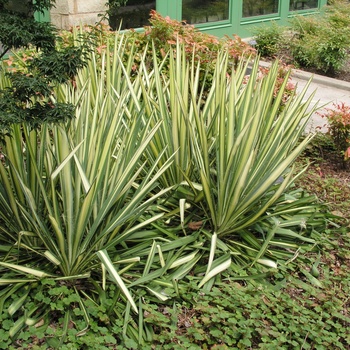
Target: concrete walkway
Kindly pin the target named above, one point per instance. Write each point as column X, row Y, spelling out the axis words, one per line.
column 328, row 90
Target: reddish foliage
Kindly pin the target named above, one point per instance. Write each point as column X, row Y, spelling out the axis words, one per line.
column 165, row 33
column 338, row 119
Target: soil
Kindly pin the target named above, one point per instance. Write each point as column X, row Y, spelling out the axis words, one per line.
column 344, row 74
column 328, row 177
column 332, row 170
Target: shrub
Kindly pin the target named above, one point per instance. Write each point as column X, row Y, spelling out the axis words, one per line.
column 28, row 96
column 268, row 39
column 338, row 119
column 326, row 51
column 149, row 186
column 338, row 13
column 322, row 42
column 165, row 33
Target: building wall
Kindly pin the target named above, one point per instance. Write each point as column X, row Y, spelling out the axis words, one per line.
column 236, row 23
column 68, row 13
column 73, row 12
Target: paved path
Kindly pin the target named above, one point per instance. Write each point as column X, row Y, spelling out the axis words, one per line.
column 328, row 90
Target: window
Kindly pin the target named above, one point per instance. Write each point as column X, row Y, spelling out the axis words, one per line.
column 295, row 5
column 203, row 11
column 24, row 7
column 134, row 14
column 259, row 7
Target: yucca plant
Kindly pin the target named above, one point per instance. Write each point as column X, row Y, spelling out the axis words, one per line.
column 71, row 193
column 154, row 180
column 254, row 148
column 80, row 204
column 235, row 147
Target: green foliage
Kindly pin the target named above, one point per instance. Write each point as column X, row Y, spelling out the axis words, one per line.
column 318, row 42
column 287, row 311
column 338, row 121
column 94, row 325
column 319, row 145
column 326, row 50
column 160, row 179
column 18, row 27
column 62, row 65
column 322, row 41
column 338, row 13
column 88, row 169
column 230, row 195
column 199, row 47
column 166, row 32
column 27, row 95
column 41, row 35
column 268, row 39
column 294, row 310
column 326, row 176
column 292, row 314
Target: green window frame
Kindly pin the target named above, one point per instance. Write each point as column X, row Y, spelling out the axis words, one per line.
column 236, row 24
column 42, row 17
column 303, row 5
column 213, row 11
column 255, row 6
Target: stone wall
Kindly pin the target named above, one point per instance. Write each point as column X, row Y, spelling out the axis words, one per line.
column 68, row 13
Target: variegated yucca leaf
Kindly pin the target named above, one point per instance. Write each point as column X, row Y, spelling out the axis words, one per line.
column 159, row 176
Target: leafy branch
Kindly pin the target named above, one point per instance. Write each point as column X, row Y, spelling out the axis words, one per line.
column 29, row 94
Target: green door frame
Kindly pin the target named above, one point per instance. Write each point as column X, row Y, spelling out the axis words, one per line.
column 171, row 8
column 42, row 17
column 236, row 23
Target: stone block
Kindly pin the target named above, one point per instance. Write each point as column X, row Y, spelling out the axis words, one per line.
column 88, row 6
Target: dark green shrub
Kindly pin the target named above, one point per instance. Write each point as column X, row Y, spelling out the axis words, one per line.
column 28, row 95
column 325, row 51
column 268, row 39
column 322, row 42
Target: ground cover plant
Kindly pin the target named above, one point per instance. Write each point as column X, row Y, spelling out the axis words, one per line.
column 327, row 175
column 162, row 186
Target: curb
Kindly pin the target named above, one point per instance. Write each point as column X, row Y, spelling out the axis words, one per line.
column 316, row 78
column 320, row 79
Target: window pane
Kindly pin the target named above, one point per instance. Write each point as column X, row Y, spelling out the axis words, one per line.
column 259, row 7
column 203, row 11
column 295, row 5
column 134, row 15
column 23, row 6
